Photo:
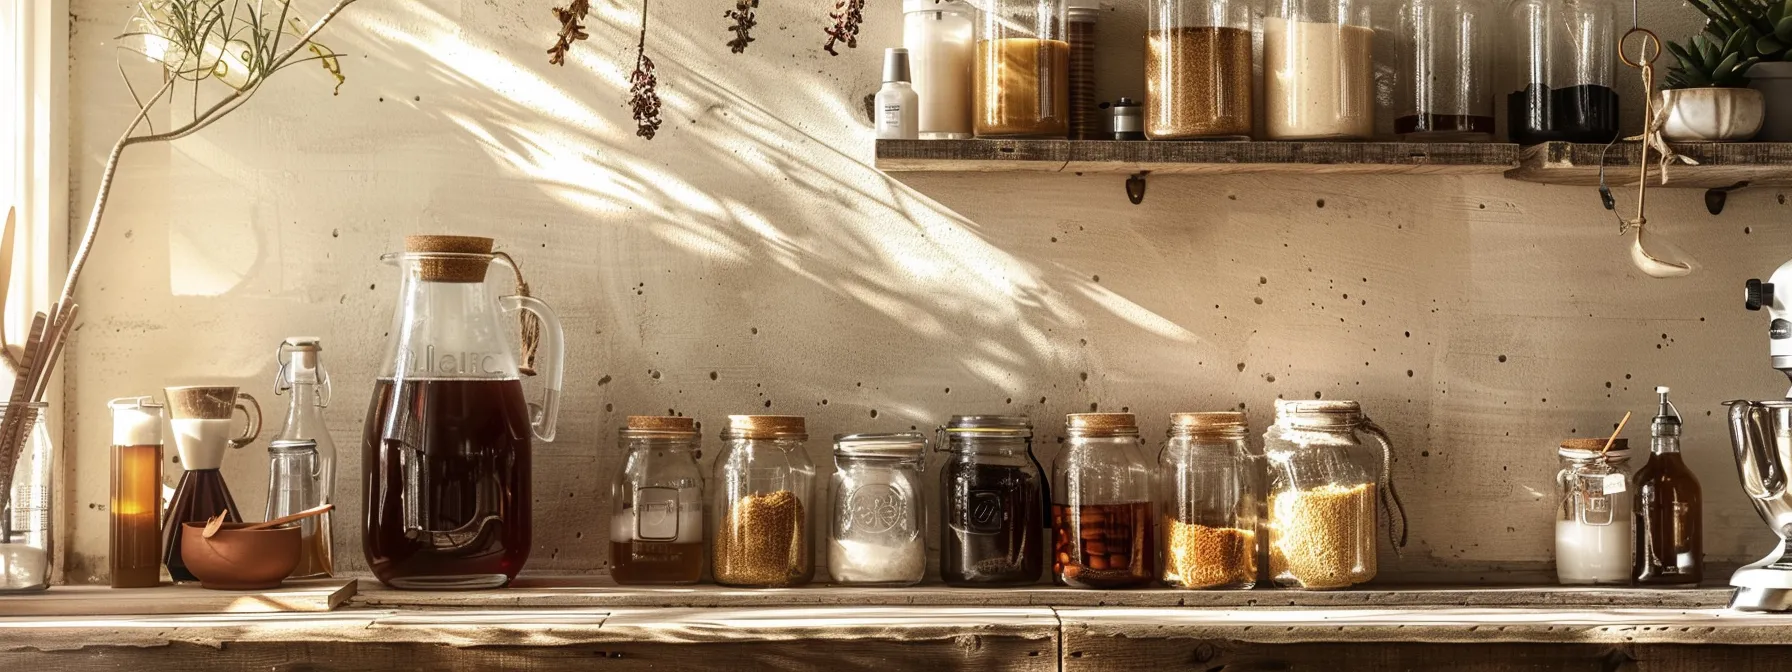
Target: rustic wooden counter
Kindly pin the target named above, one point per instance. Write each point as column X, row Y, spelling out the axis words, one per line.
column 560, row 624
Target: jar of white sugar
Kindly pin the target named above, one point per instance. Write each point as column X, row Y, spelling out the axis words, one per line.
column 1593, row 532
column 1318, row 82
column 877, row 537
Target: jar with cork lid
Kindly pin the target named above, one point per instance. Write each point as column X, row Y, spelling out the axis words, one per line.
column 1206, row 492
column 656, row 503
column 1593, row 516
column 1323, row 494
column 764, row 495
column 1102, row 525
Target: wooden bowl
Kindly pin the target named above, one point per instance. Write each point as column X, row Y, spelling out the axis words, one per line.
column 237, row 559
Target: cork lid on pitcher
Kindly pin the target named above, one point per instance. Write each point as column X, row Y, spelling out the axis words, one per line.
column 1101, row 424
column 450, row 258
column 766, row 427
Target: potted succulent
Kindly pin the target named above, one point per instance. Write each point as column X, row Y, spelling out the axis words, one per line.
column 1766, row 27
column 1706, row 97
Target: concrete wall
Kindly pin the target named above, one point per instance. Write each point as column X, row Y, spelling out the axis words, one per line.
column 752, row 260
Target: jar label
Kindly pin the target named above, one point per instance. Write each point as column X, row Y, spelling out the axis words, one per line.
column 656, row 514
column 987, row 510
column 875, row 508
column 1614, row 484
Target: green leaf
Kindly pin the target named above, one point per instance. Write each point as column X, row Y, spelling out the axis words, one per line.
column 1783, row 28
column 1769, row 45
column 1736, row 41
column 1681, row 54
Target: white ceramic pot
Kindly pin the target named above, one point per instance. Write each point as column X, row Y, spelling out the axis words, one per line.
column 1711, row 114
column 1774, row 80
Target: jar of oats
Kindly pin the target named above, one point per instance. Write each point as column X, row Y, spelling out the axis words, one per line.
column 764, row 497
column 1324, row 487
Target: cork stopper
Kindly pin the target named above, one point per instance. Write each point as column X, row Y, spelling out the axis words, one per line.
column 462, row 258
column 766, row 427
column 1218, row 423
column 659, row 427
column 1101, row 424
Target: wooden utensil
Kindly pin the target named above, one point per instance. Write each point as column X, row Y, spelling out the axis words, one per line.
column 211, row 526
column 1615, row 433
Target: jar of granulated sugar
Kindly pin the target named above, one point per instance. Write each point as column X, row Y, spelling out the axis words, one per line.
column 876, row 538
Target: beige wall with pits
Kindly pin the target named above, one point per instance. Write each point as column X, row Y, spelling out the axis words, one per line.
column 751, row 260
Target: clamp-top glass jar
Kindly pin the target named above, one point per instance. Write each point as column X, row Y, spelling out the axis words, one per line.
column 764, row 495
column 992, row 516
column 1206, row 488
column 1593, row 518
column 656, row 504
column 1101, row 515
column 876, row 539
column 1322, row 497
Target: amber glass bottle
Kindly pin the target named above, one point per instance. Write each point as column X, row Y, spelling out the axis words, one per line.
column 1669, row 537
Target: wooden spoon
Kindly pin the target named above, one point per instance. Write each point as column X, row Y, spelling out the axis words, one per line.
column 213, row 523
column 212, row 526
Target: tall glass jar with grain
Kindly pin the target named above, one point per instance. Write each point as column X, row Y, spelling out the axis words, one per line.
column 656, row 503
column 1318, row 81
column 1021, row 78
column 1206, row 493
column 764, row 502
column 1198, row 70
column 1102, row 527
column 1323, row 491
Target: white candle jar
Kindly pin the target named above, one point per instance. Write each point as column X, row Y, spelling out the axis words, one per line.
column 1593, row 531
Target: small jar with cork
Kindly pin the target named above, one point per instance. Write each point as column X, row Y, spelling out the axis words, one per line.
column 1206, row 491
column 656, row 518
column 1102, row 528
column 764, row 495
column 1593, row 516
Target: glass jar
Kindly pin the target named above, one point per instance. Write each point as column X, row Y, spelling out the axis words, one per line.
column 764, row 491
column 1101, row 514
column 1206, row 480
column 1322, row 495
column 1593, row 519
column 1080, row 20
column 295, row 483
column 1562, row 59
column 1318, row 82
column 938, row 35
column 1198, row 70
column 656, row 503
column 1446, row 55
column 876, row 538
column 1021, row 85
column 26, row 532
column 992, row 515
column 135, row 548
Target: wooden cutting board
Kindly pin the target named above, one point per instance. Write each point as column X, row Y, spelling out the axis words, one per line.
column 306, row 595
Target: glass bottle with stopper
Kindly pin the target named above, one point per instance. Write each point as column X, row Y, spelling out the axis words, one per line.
column 201, row 418
column 302, row 457
column 1669, row 534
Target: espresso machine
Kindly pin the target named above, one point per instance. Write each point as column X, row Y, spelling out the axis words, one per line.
column 1761, row 433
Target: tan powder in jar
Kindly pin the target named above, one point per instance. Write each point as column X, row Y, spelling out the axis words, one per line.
column 1197, row 83
column 1323, row 537
column 762, row 542
column 1198, row 556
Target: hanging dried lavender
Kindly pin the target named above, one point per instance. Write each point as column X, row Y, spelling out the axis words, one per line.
column 643, row 99
column 847, row 15
column 570, row 29
column 743, row 24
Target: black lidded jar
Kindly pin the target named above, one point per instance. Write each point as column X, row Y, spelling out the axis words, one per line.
column 1562, row 72
column 992, row 512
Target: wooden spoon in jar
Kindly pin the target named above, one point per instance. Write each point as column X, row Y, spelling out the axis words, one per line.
column 212, row 526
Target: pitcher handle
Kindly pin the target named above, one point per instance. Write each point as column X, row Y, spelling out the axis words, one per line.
column 1390, row 499
column 252, row 428
column 550, row 357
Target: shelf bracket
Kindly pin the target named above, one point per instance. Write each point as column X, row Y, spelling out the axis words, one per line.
column 1715, row 198
column 1135, row 187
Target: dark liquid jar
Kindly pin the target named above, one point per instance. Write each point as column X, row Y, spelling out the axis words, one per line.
column 991, row 510
column 1562, row 67
column 1103, row 535
column 656, row 504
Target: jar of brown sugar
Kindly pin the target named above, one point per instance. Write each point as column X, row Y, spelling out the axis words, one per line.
column 764, row 498
column 1102, row 528
column 1206, row 492
column 1198, row 70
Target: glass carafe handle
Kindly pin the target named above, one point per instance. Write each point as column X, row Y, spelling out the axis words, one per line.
column 550, row 359
column 1390, row 499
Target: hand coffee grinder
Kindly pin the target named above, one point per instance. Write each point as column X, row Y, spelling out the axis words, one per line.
column 1761, row 433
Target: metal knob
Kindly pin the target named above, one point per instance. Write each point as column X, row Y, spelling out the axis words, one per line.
column 1757, row 294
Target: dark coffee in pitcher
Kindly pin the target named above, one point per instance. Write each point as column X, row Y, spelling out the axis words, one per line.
column 445, row 451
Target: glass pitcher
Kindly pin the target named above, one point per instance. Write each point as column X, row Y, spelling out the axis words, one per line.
column 445, row 451
column 1323, row 494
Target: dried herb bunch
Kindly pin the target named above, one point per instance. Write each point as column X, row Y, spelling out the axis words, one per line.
column 743, row 24
column 642, row 98
column 570, row 29
column 847, row 15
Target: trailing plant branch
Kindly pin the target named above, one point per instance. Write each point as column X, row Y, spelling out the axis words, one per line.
column 744, row 21
column 570, row 29
column 644, row 99
column 847, row 16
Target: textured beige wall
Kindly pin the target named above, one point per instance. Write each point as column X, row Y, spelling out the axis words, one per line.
column 751, row 260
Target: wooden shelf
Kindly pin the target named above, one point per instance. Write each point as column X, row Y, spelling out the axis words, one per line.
column 1202, row 158
column 303, row 595
column 1721, row 164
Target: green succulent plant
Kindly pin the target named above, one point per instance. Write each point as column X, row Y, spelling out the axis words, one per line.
column 1707, row 62
column 1766, row 25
